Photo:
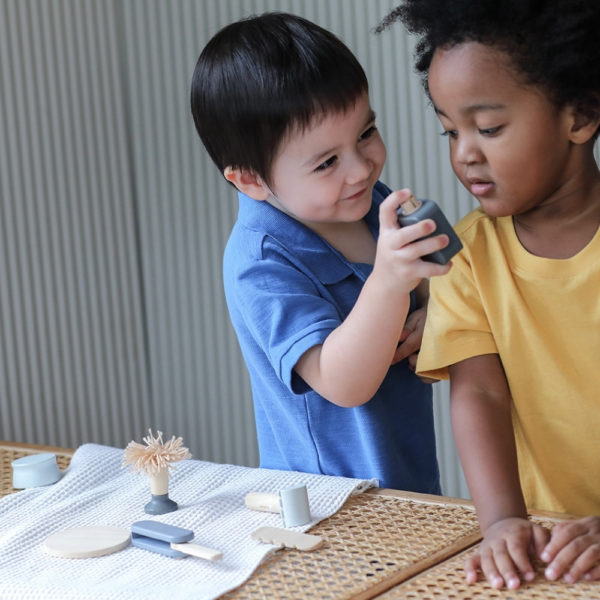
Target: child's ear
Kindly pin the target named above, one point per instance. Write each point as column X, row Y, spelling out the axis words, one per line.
column 583, row 126
column 248, row 183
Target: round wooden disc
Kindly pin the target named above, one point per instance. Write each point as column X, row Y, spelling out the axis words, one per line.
column 86, row 542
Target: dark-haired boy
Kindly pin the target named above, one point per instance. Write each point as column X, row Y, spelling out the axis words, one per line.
column 319, row 277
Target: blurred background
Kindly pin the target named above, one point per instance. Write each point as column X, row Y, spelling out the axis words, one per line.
column 113, row 219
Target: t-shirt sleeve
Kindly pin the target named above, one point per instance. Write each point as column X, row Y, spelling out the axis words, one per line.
column 284, row 312
column 457, row 326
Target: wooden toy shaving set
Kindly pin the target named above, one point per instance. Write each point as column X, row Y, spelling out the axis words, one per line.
column 155, row 459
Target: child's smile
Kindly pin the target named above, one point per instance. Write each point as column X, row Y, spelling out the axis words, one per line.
column 324, row 176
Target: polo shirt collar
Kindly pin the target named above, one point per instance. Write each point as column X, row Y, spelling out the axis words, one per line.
column 317, row 254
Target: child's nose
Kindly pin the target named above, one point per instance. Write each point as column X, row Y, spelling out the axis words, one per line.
column 467, row 151
column 360, row 168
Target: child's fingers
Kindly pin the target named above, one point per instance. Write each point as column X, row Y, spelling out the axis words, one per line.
column 586, row 562
column 540, row 538
column 520, row 559
column 593, row 574
column 577, row 558
column 406, row 237
column 489, row 567
column 388, row 217
column 561, row 535
column 472, row 566
column 432, row 244
column 407, row 330
column 510, row 560
column 407, row 348
column 412, row 361
column 506, row 563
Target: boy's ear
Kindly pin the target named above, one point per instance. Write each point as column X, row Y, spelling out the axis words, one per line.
column 248, row 183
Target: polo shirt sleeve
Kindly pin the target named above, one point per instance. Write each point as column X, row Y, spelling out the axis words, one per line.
column 284, row 309
column 457, row 326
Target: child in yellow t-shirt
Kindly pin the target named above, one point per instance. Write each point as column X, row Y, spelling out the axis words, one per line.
column 515, row 324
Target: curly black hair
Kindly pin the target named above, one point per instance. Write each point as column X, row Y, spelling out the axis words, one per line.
column 553, row 44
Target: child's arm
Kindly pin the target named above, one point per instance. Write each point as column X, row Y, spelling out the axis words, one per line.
column 352, row 362
column 482, row 425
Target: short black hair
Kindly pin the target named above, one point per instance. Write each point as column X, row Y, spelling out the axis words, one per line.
column 553, row 44
column 259, row 78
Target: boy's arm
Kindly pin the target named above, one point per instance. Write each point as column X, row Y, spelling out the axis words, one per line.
column 482, row 423
column 350, row 365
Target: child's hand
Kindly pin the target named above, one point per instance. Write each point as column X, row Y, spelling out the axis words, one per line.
column 410, row 341
column 574, row 550
column 411, row 337
column 398, row 261
column 504, row 554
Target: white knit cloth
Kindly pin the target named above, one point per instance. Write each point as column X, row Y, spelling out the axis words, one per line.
column 96, row 490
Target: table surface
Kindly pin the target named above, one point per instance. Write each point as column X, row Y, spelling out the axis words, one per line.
column 381, row 544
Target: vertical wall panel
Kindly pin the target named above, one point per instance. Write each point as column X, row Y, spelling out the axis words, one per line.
column 72, row 361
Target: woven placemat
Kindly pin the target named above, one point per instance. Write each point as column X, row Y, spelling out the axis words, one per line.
column 447, row 580
column 11, row 451
column 373, row 542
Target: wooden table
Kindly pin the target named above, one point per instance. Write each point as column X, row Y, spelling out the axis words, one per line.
column 381, row 544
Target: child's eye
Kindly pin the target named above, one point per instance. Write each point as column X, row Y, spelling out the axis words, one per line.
column 451, row 133
column 327, row 164
column 368, row 133
column 490, row 130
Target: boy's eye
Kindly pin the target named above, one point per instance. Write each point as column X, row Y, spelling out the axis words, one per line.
column 368, row 133
column 327, row 164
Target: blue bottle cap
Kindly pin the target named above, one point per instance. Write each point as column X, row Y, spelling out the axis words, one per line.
column 35, row 470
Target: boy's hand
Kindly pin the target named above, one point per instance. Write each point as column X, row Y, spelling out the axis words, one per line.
column 574, row 550
column 398, row 261
column 504, row 554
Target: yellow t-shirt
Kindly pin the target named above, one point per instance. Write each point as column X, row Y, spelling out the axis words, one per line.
column 542, row 317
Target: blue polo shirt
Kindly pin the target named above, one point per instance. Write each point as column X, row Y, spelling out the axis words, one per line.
column 287, row 289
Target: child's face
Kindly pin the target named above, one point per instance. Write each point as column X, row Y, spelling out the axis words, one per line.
column 325, row 174
column 509, row 145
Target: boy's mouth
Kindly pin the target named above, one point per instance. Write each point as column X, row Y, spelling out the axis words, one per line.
column 356, row 195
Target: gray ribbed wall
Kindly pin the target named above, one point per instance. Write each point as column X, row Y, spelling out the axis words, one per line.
column 72, row 353
column 113, row 221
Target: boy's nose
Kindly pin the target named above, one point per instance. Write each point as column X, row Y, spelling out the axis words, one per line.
column 360, row 169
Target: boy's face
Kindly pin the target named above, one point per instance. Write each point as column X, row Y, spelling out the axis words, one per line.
column 325, row 175
column 509, row 145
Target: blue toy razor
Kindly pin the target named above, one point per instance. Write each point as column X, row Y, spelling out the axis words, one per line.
column 169, row 540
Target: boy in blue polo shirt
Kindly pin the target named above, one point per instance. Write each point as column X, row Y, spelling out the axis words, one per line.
column 325, row 291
